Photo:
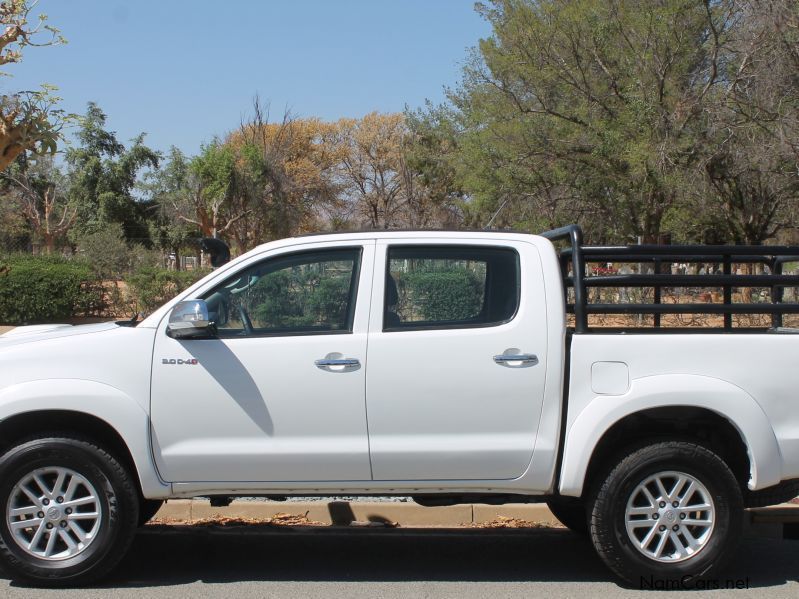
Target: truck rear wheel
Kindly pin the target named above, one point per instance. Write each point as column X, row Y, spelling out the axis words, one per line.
column 69, row 508
column 667, row 515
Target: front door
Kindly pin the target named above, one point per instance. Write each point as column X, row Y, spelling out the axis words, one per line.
column 270, row 399
column 457, row 360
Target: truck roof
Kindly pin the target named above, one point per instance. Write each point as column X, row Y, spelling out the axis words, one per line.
column 393, row 233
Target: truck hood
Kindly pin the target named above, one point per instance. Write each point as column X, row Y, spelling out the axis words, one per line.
column 43, row 332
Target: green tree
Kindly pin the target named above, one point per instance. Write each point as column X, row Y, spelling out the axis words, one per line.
column 103, row 174
column 202, row 189
column 168, row 188
column 430, row 153
column 587, row 110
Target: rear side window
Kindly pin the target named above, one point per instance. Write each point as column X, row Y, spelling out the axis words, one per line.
column 435, row 287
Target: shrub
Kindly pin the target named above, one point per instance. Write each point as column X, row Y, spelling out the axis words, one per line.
column 300, row 297
column 106, row 251
column 111, row 256
column 455, row 294
column 151, row 286
column 42, row 289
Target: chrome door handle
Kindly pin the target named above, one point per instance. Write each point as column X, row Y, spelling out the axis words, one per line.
column 324, row 363
column 523, row 358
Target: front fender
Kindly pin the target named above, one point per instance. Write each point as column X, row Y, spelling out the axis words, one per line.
column 102, row 401
column 729, row 401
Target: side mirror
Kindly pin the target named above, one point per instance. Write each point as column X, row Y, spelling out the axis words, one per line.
column 189, row 320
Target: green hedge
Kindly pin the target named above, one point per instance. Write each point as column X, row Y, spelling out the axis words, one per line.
column 300, row 297
column 150, row 287
column 455, row 294
column 44, row 289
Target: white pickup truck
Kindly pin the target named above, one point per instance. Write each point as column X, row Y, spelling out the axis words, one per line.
column 441, row 365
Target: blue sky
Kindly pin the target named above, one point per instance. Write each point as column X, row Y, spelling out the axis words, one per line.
column 183, row 71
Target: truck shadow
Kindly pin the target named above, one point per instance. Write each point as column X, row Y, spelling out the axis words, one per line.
column 172, row 555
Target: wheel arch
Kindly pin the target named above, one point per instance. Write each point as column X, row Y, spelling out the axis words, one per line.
column 97, row 411
column 730, row 420
column 26, row 424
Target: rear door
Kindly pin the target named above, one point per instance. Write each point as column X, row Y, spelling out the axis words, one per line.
column 457, row 359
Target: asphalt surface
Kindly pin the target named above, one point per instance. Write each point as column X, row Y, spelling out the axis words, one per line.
column 463, row 564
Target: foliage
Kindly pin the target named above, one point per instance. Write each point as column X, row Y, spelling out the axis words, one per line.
column 431, row 150
column 453, row 294
column 38, row 190
column 40, row 289
column 271, row 180
column 150, row 287
column 28, row 120
column 106, row 251
column 212, row 175
column 391, row 171
column 110, row 256
column 168, row 189
column 15, row 235
column 587, row 107
column 751, row 137
column 373, row 167
column 286, row 176
column 633, row 118
column 636, row 119
column 297, row 297
column 102, row 177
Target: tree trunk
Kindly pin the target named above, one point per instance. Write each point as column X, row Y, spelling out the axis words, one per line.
column 11, row 145
column 49, row 243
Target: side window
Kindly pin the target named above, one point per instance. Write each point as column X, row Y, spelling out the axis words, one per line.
column 303, row 293
column 439, row 287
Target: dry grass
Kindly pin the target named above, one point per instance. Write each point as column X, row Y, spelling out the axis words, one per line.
column 507, row 522
column 226, row 522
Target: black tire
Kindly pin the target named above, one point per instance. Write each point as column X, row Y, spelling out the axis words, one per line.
column 148, row 508
column 608, row 511
column 570, row 511
column 117, row 499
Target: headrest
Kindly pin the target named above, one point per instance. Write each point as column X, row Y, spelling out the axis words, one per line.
column 392, row 296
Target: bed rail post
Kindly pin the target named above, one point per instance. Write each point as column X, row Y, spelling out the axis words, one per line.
column 574, row 234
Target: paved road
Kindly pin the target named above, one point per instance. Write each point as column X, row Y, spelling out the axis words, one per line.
column 462, row 564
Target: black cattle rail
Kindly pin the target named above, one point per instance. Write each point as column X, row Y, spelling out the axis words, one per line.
column 575, row 256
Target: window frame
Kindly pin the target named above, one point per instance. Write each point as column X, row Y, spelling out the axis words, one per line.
column 355, row 279
column 465, row 248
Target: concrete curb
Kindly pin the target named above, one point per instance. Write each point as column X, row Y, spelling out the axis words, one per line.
column 785, row 513
column 774, row 522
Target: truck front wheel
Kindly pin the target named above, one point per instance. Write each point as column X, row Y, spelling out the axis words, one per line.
column 667, row 515
column 69, row 511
